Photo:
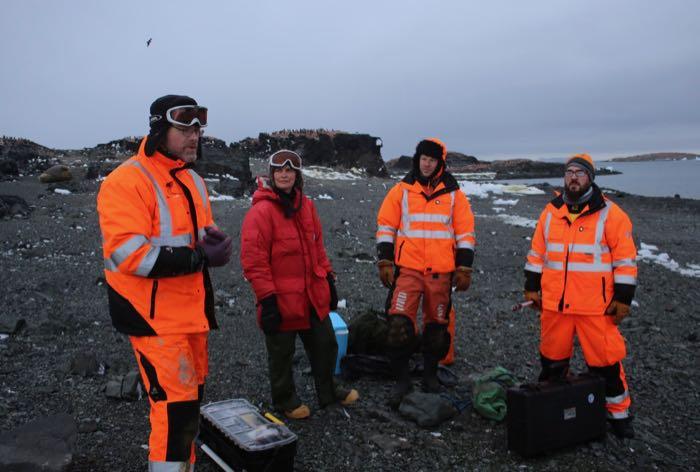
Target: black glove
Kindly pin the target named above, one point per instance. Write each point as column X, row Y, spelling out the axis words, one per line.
column 334, row 293
column 217, row 252
column 270, row 316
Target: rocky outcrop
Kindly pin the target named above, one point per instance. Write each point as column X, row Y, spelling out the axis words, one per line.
column 25, row 156
column 319, row 148
column 658, row 156
column 221, row 162
column 230, row 172
column 506, row 169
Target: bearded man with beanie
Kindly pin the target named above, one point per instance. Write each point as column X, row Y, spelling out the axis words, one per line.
column 581, row 273
column 425, row 245
column 159, row 239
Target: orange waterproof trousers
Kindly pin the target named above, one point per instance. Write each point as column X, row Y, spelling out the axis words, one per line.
column 173, row 370
column 434, row 289
column 603, row 349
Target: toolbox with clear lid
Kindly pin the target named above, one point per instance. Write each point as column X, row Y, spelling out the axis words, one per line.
column 236, row 432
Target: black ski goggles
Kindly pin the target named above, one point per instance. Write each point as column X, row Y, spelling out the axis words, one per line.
column 284, row 157
column 187, row 115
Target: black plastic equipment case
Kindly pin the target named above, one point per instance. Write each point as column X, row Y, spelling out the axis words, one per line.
column 240, row 436
column 550, row 415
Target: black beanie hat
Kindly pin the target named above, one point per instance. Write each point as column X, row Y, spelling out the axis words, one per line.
column 430, row 148
column 159, row 124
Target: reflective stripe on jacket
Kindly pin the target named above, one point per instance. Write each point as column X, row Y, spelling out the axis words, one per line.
column 145, row 206
column 427, row 231
column 582, row 266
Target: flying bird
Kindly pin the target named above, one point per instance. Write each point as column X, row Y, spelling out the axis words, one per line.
column 148, row 43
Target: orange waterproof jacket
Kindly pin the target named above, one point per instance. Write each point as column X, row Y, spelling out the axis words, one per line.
column 430, row 233
column 152, row 210
column 582, row 266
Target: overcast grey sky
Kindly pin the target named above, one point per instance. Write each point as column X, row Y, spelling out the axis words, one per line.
column 492, row 79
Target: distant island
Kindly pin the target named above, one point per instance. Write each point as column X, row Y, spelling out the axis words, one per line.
column 658, row 156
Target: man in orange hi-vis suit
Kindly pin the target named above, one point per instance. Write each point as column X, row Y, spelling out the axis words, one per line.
column 425, row 245
column 159, row 239
column 581, row 272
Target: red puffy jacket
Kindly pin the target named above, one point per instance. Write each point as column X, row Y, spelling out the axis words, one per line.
column 286, row 257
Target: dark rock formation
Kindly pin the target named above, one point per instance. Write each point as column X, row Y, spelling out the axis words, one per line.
column 13, row 206
column 321, row 148
column 217, row 161
column 506, row 169
column 222, row 162
column 658, row 156
column 43, row 444
column 28, row 156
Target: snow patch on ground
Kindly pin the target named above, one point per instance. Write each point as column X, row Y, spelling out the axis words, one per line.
column 501, row 201
column 324, row 196
column 647, row 252
column 498, row 209
column 515, row 220
column 62, row 191
column 220, row 198
column 326, row 173
column 482, row 190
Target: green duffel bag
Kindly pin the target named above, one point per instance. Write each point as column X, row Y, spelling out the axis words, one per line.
column 489, row 393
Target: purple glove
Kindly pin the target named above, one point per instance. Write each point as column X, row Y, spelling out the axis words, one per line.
column 213, row 234
column 218, row 252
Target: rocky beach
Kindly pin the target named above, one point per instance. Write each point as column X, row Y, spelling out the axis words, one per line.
column 60, row 356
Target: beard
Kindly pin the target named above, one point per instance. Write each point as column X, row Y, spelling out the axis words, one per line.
column 575, row 195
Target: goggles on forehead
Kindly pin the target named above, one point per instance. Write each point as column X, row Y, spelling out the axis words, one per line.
column 185, row 115
column 284, row 157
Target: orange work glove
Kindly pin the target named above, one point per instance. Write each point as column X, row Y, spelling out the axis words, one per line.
column 535, row 298
column 463, row 278
column 618, row 310
column 386, row 272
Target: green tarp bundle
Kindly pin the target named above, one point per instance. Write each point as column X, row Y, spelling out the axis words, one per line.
column 489, row 393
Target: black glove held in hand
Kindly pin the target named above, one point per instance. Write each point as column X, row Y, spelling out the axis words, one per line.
column 218, row 252
column 270, row 317
column 334, row 293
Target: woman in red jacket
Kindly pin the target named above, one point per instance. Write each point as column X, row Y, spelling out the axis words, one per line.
column 284, row 260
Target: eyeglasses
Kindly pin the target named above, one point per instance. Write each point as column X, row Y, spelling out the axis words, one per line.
column 190, row 130
column 284, row 157
column 185, row 115
column 578, row 173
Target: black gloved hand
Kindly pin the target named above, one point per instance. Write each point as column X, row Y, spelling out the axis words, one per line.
column 334, row 293
column 270, row 316
column 217, row 252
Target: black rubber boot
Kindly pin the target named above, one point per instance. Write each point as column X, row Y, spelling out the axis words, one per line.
column 403, row 383
column 431, row 384
column 622, row 428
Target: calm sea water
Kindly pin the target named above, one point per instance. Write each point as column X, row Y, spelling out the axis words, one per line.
column 652, row 179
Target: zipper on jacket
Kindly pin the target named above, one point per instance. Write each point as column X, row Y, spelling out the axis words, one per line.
column 398, row 258
column 566, row 274
column 605, row 300
column 154, row 289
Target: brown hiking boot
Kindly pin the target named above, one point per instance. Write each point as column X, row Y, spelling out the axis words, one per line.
column 299, row 413
column 350, row 398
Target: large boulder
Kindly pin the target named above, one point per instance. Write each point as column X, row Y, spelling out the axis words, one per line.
column 231, row 169
column 319, row 148
column 45, row 444
column 57, row 173
column 28, row 156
